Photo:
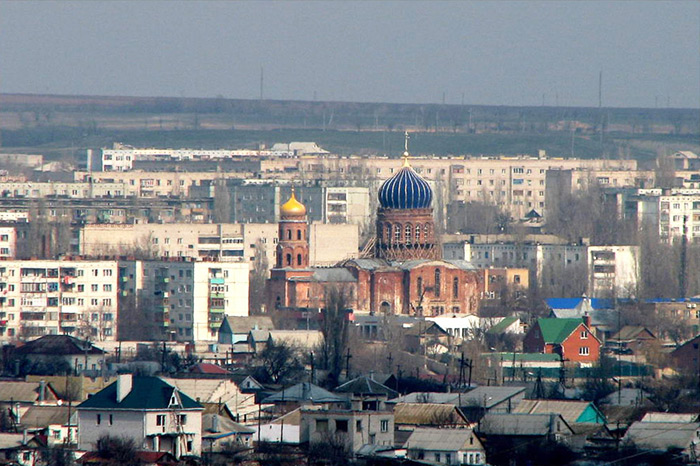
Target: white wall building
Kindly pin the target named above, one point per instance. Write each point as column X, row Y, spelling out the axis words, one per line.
column 613, row 271
column 186, row 300
column 49, row 297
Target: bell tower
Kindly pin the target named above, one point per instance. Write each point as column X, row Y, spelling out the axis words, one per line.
column 293, row 239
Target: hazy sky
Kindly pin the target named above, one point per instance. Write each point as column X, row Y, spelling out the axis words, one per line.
column 490, row 52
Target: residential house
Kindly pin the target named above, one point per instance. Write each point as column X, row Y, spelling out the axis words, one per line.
column 411, row 415
column 217, row 392
column 366, row 394
column 506, row 434
column 59, row 424
column 633, row 339
column 157, row 415
column 286, row 429
column 353, row 428
column 445, row 446
column 77, row 355
column 235, row 329
column 572, row 339
column 604, row 317
column 686, row 358
column 21, row 449
column 222, row 434
column 305, row 394
column 482, row 400
column 664, row 436
column 427, row 336
column 16, row 397
column 574, row 412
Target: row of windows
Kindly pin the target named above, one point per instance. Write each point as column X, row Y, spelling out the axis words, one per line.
column 410, row 233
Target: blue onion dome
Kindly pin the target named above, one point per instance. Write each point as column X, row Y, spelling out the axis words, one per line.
column 405, row 190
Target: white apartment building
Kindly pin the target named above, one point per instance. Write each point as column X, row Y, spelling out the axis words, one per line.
column 73, row 190
column 228, row 242
column 675, row 211
column 49, row 297
column 13, row 216
column 185, row 300
column 613, row 271
column 122, row 157
column 8, row 242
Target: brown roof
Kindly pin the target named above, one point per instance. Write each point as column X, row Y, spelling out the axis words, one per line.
column 24, row 392
column 428, row 414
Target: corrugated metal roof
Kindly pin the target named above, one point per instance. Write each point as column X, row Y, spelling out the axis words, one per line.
column 490, row 396
column 24, row 392
column 43, row 416
column 571, row 411
column 662, row 435
column 447, row 440
column 669, row 417
column 523, row 424
column 364, row 385
column 304, row 392
column 428, row 414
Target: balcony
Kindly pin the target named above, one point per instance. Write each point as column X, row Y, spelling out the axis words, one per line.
column 216, row 281
column 216, row 295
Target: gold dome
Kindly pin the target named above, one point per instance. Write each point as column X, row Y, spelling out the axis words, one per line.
column 293, row 207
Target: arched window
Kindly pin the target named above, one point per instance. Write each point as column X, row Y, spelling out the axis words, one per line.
column 385, row 308
column 299, row 234
column 397, row 232
column 437, row 282
column 298, row 259
column 407, row 233
column 426, row 231
column 455, row 288
column 289, row 234
column 417, row 233
column 419, row 286
column 387, row 237
column 289, row 259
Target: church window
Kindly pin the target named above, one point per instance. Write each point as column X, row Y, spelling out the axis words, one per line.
column 388, row 233
column 408, row 230
column 417, row 233
column 426, row 231
column 397, row 232
column 419, row 285
column 289, row 259
column 437, row 282
column 289, row 234
column 455, row 288
column 298, row 259
column 298, row 234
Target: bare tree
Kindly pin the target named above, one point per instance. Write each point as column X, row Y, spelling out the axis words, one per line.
column 334, row 328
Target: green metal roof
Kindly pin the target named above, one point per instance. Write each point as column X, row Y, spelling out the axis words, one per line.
column 146, row 393
column 556, row 330
column 502, row 325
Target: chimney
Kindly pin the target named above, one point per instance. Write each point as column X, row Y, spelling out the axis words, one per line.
column 215, row 423
column 587, row 320
column 124, row 383
column 42, row 391
column 371, row 375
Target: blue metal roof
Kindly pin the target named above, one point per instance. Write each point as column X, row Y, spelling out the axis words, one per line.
column 405, row 190
column 571, row 303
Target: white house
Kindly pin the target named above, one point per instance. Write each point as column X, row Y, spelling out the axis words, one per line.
column 155, row 414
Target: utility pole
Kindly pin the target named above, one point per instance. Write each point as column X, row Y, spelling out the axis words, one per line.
column 684, row 251
column 347, row 365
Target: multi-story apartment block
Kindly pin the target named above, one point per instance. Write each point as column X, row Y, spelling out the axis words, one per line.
column 609, row 270
column 184, row 300
column 613, row 271
column 73, row 190
column 8, row 242
column 228, row 242
column 48, row 297
column 676, row 212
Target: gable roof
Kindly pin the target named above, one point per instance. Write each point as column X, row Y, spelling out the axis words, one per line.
column 661, row 435
column 146, row 393
column 669, row 417
column 58, row 345
column 205, row 390
column 364, row 385
column 557, row 330
column 523, row 424
column 428, row 414
column 43, row 416
column 304, row 391
column 25, row 392
column 502, row 326
column 487, row 397
column 440, row 439
column 208, row 368
column 571, row 411
column 631, row 332
column 244, row 324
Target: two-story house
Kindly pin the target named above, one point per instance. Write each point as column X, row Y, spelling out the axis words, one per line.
column 572, row 339
column 155, row 414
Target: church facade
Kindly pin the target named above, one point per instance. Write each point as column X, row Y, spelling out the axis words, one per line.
column 406, row 275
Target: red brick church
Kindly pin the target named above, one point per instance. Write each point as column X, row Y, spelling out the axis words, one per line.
column 406, row 274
